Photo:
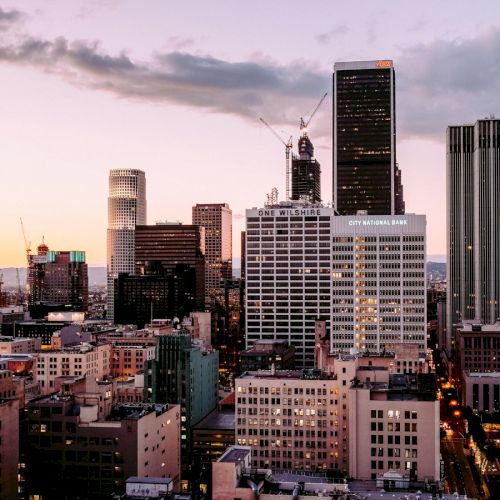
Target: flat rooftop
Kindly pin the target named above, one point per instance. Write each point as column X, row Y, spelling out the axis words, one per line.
column 234, row 455
column 149, row 480
column 311, row 374
column 223, row 420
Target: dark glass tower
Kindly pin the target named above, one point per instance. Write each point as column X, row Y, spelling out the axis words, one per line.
column 306, row 173
column 365, row 174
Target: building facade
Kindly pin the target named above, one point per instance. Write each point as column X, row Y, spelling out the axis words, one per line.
column 126, row 209
column 58, row 278
column 91, row 454
column 81, row 360
column 365, row 173
column 177, row 251
column 364, row 274
column 217, row 219
column 9, row 443
column 473, row 210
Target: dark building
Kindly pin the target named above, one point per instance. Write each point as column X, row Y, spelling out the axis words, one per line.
column 78, row 446
column 33, row 329
column 265, row 353
column 211, row 437
column 365, row 173
column 58, row 277
column 306, row 173
column 178, row 248
column 156, row 294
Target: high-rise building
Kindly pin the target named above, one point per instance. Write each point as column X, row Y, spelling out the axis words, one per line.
column 184, row 373
column 364, row 274
column 177, row 251
column 473, row 263
column 217, row 219
column 126, row 209
column 58, row 277
column 306, row 173
column 365, row 173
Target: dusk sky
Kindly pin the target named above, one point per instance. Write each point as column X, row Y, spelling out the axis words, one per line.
column 176, row 89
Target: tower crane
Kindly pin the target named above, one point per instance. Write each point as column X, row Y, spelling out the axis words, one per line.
column 27, row 244
column 303, row 124
column 288, row 147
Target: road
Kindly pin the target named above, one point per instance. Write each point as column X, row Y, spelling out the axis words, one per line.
column 458, row 475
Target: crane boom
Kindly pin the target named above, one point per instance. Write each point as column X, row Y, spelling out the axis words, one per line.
column 27, row 245
column 304, row 125
column 288, row 146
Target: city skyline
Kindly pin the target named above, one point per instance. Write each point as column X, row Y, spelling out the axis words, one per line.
column 90, row 89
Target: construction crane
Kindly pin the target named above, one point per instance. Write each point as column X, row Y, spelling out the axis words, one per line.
column 303, row 124
column 27, row 244
column 19, row 294
column 288, row 147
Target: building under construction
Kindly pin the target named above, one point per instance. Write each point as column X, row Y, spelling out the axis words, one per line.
column 306, row 173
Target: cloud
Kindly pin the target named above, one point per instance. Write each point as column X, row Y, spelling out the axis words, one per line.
column 438, row 84
column 9, row 17
column 179, row 42
column 447, row 83
column 248, row 89
column 327, row 37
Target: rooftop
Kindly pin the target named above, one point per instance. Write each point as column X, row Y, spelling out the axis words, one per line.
column 235, row 455
column 149, row 480
column 310, row 374
column 218, row 420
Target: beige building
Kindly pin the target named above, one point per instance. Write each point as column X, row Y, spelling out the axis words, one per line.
column 84, row 359
column 294, row 419
column 19, row 345
column 394, row 429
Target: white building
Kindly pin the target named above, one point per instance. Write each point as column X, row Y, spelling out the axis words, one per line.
column 126, row 209
column 378, row 282
column 364, row 274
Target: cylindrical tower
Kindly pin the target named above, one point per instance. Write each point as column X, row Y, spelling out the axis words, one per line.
column 126, row 209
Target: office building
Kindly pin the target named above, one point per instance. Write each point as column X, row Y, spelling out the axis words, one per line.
column 217, row 219
column 59, row 278
column 306, row 173
column 183, row 372
column 473, row 209
column 365, row 173
column 364, row 274
column 288, row 275
column 401, row 418
column 378, row 282
column 126, row 209
column 177, row 251
column 89, row 447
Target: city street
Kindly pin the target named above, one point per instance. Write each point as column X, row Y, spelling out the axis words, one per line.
column 458, row 475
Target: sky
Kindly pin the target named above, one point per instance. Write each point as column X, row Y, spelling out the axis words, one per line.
column 177, row 88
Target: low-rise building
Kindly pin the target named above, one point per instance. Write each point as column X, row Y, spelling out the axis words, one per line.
column 401, row 419
column 267, row 352
column 18, row 345
column 9, row 445
column 83, row 359
column 92, row 446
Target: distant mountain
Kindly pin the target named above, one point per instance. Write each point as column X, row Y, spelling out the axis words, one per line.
column 97, row 276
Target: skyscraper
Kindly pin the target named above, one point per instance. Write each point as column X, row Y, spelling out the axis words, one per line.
column 306, row 173
column 126, row 209
column 365, row 173
column 217, row 219
column 473, row 199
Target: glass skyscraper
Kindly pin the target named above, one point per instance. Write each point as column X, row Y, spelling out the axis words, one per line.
column 365, row 174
